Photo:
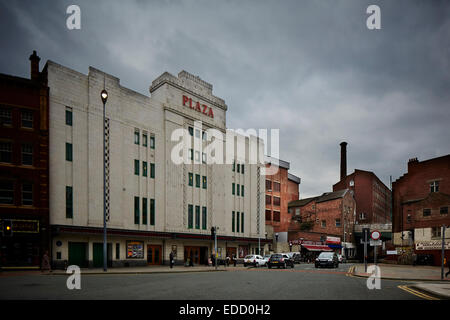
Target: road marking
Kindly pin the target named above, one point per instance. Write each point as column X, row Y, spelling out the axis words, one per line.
column 417, row 293
column 350, row 271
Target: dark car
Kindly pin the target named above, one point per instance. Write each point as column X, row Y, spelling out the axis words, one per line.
column 327, row 259
column 280, row 260
column 297, row 258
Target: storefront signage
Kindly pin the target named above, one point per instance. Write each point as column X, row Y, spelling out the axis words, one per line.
column 197, row 106
column 432, row 245
column 135, row 250
column 333, row 240
column 25, row 226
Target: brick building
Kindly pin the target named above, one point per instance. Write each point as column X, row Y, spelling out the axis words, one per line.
column 24, row 179
column 421, row 199
column 281, row 188
column 325, row 221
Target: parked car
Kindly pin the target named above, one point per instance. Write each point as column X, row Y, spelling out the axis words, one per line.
column 327, row 259
column 280, row 260
column 266, row 259
column 297, row 258
column 254, row 260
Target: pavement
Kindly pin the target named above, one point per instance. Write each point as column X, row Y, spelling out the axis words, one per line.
column 426, row 279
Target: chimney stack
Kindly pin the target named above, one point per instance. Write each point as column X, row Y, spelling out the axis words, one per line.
column 34, row 65
column 343, row 160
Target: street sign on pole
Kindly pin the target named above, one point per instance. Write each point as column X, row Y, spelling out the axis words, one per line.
column 375, row 235
column 375, row 243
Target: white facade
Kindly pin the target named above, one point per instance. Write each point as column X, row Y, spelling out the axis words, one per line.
column 77, row 223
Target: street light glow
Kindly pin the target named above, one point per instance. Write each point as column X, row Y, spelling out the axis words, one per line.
column 104, row 95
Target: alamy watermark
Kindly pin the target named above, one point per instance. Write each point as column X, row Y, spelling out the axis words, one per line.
column 374, row 281
column 74, row 280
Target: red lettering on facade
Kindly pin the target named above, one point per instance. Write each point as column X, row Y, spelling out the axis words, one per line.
column 206, row 110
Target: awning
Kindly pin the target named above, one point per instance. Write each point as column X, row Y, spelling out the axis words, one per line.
column 335, row 246
column 316, row 247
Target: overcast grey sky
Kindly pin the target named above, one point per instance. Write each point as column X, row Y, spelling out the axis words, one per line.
column 310, row 68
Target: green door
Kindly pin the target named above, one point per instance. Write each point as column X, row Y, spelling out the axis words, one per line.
column 77, row 254
column 98, row 255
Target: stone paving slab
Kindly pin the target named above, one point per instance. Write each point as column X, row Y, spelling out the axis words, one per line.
column 401, row 272
column 441, row 290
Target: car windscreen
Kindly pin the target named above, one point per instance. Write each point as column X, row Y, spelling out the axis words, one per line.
column 326, row 255
column 248, row 257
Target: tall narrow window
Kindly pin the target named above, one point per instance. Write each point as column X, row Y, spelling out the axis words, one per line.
column 68, row 151
column 242, row 191
column 136, row 136
column 197, row 180
column 242, row 222
column 197, row 217
column 27, row 119
column 144, row 210
column 136, row 167
column 238, row 189
column 237, row 222
column 238, row 168
column 136, row 210
column 152, row 170
column 27, row 154
column 27, row 194
column 69, row 202
column 434, row 186
column 232, row 221
column 234, row 166
column 204, row 216
column 204, row 182
column 6, row 152
column 152, row 142
column 152, row 212
column 144, row 139
column 242, row 168
column 68, row 117
column 190, row 216
column 191, row 131
column 233, row 188
column 144, row 168
column 191, row 179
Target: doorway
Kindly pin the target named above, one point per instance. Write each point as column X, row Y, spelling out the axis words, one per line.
column 97, row 251
column 154, row 253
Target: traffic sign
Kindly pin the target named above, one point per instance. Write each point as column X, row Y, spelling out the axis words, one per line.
column 374, row 243
column 375, row 235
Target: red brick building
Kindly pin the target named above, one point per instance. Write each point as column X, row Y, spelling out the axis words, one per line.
column 373, row 197
column 24, row 181
column 421, row 200
column 281, row 188
column 325, row 220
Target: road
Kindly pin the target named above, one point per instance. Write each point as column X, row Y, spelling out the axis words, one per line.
column 302, row 282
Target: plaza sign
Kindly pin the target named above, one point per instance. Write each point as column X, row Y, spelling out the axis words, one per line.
column 195, row 105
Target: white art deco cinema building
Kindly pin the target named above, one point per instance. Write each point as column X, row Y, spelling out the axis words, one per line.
column 154, row 206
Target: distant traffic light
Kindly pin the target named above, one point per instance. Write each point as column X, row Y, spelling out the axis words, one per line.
column 7, row 228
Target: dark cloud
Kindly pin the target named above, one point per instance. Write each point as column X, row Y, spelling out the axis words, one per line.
column 310, row 68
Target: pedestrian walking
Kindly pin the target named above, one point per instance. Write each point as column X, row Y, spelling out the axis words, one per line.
column 172, row 261
column 234, row 260
column 414, row 259
column 46, row 262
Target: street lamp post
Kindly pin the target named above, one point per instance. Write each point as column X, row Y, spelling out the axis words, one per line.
column 104, row 96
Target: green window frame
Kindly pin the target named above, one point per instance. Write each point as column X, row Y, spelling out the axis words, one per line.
column 144, row 139
column 232, row 188
column 204, row 217
column 233, row 167
column 238, row 168
column 69, row 202
column 232, row 221
column 136, row 210
column 190, row 216
column 242, row 222
column 144, row 168
column 237, row 222
column 204, row 182
column 136, row 167
column 136, row 137
column 69, row 152
column 152, row 170
column 197, row 217
column 242, row 190
column 191, row 179
column 238, row 190
column 197, row 181
column 152, row 212
column 242, row 168
column 152, row 142
column 144, row 210
column 69, row 118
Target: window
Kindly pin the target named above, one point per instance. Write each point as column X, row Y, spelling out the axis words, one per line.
column 269, row 185
column 436, row 232
column 68, row 151
column 27, row 154
column 297, row 211
column 242, row 168
column 232, row 222
column 136, row 167
column 152, row 170
column 362, row 216
column 136, row 136
column 408, row 218
column 136, row 210
column 6, row 152
column 234, row 166
column 203, row 157
column 144, row 139
column 242, row 222
column 276, row 216
column 268, row 199
column 197, row 133
column 5, row 117
column 190, row 216
column 27, row 119
column 204, row 182
column 268, row 215
column 117, row 251
column 204, row 135
column 238, row 168
column 197, row 217
column 323, row 223
column 276, row 201
column 6, row 192
column 152, row 142
column 191, row 179
column 276, row 186
column 242, row 191
column 338, row 222
column 233, row 187
column 197, row 156
column 426, row 212
column 191, row 131
column 238, row 189
column 434, row 186
column 191, row 154
column 237, row 222
column 144, row 168
column 68, row 117
column 204, row 215
column 152, row 212
column 144, row 210
column 69, row 202
column 443, row 210
column 197, row 180
column 27, row 194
